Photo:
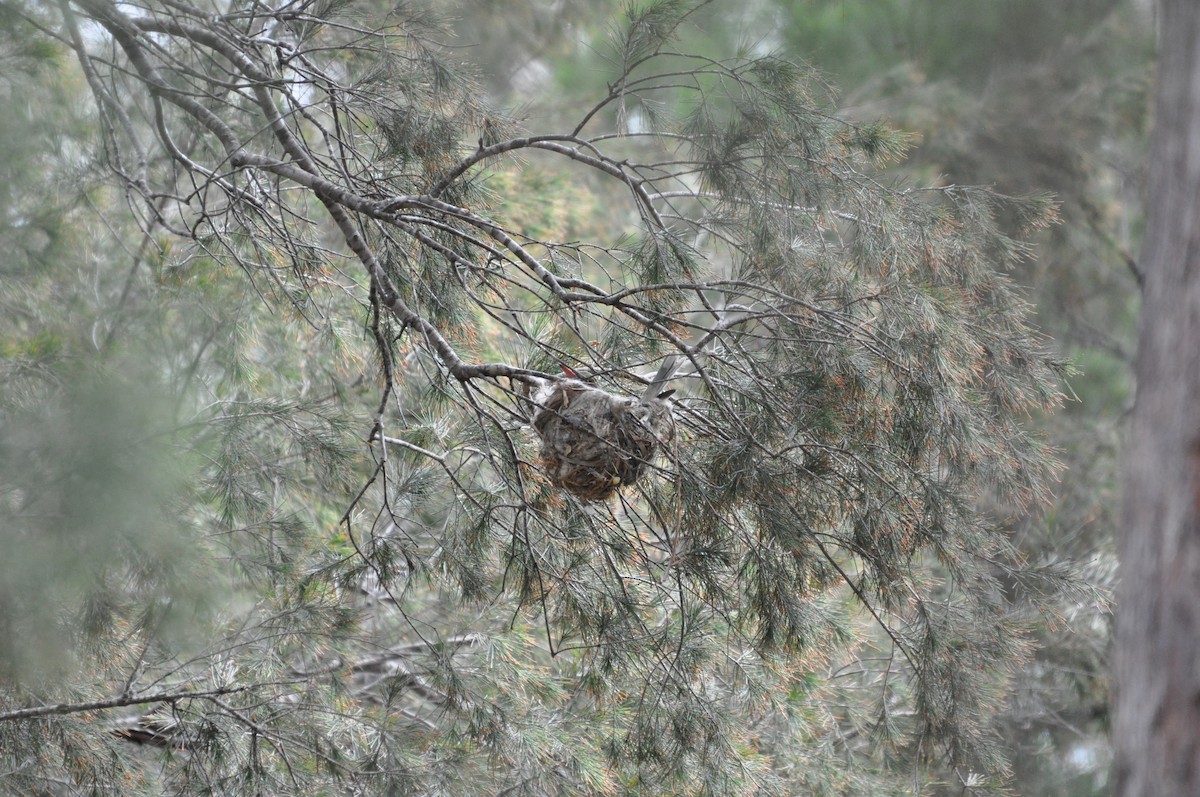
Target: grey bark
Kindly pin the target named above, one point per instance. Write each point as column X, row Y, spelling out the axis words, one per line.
column 1157, row 712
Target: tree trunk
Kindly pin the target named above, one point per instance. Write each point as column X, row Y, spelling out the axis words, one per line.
column 1157, row 716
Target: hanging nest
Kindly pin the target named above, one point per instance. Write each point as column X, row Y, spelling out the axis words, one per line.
column 594, row 442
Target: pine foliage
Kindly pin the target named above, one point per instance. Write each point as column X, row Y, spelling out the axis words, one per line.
column 351, row 570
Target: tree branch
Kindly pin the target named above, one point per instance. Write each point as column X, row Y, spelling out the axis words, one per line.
column 117, row 702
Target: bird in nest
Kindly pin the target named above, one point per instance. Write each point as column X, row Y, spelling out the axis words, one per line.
column 593, row 441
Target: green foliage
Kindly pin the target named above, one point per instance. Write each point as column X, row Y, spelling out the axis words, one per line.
column 321, row 552
column 965, row 40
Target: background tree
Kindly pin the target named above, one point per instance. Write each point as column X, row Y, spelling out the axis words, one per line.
column 1158, row 750
column 802, row 592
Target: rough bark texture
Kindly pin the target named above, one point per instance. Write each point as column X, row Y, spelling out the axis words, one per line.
column 1157, row 722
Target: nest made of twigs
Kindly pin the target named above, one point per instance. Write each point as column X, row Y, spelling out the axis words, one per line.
column 593, row 441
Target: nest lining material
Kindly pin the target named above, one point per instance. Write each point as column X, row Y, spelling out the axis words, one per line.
column 594, row 442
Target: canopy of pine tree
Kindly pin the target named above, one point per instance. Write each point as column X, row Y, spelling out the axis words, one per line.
column 305, row 509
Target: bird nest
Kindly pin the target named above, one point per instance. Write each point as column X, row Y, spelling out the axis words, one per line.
column 594, row 442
